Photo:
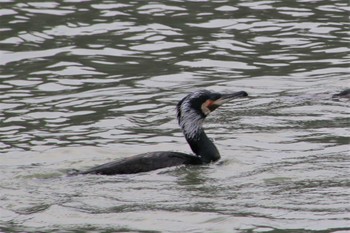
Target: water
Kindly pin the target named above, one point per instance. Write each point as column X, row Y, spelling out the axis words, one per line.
column 85, row 82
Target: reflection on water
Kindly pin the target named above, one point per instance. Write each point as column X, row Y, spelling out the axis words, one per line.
column 84, row 82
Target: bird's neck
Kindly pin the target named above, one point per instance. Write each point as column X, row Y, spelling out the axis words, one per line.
column 202, row 146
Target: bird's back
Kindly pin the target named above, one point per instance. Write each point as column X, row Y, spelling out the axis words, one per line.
column 143, row 163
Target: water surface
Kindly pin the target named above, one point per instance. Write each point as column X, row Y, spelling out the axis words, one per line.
column 86, row 82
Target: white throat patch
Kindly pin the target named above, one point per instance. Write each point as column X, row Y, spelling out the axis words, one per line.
column 205, row 108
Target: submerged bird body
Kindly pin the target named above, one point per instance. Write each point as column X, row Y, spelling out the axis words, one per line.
column 343, row 94
column 191, row 112
column 144, row 163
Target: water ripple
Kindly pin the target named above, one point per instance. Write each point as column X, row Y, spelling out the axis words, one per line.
column 85, row 82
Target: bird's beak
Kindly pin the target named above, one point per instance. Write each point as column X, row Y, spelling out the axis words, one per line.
column 227, row 97
column 212, row 105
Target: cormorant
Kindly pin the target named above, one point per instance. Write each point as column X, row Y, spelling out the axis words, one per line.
column 191, row 112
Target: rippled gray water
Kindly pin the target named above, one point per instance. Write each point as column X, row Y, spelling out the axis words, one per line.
column 85, row 82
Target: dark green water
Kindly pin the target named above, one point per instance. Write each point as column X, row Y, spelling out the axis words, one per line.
column 86, row 82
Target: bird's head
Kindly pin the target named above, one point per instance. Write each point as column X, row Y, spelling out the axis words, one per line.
column 193, row 108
